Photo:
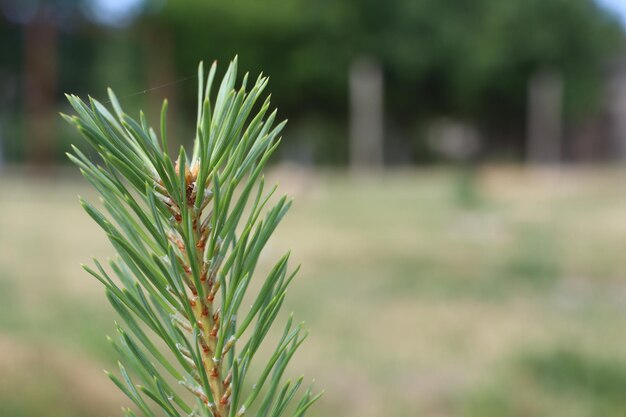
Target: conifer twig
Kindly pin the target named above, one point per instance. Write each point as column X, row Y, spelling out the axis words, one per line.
column 188, row 232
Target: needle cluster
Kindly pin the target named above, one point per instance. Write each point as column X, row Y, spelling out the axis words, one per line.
column 188, row 233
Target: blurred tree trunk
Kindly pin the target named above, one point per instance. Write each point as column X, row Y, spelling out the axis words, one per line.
column 40, row 71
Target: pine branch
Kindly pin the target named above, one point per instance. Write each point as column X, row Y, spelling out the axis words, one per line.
column 188, row 233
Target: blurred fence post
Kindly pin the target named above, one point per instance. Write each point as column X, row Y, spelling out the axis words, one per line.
column 366, row 115
column 545, row 91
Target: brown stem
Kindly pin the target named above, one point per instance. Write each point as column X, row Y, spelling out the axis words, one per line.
column 205, row 316
column 205, row 313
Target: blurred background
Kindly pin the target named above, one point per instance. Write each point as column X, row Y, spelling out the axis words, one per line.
column 459, row 183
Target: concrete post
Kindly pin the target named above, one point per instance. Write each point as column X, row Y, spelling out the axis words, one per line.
column 366, row 115
column 545, row 96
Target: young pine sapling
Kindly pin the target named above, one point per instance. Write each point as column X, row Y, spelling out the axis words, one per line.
column 188, row 234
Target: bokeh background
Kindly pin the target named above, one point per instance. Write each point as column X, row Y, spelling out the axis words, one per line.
column 459, row 184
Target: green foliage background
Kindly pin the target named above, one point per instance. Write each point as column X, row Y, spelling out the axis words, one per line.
column 465, row 59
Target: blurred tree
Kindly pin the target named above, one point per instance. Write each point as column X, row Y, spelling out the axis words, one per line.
column 40, row 21
column 466, row 58
column 53, row 46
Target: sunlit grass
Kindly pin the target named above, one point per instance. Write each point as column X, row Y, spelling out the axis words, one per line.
column 412, row 298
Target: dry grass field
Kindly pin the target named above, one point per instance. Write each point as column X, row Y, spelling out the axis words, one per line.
column 420, row 301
